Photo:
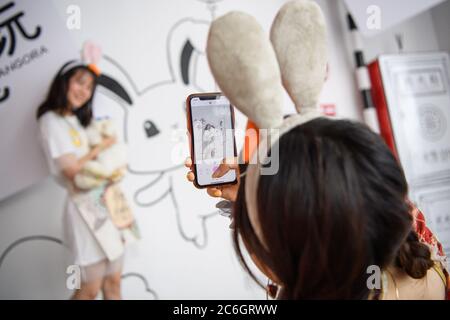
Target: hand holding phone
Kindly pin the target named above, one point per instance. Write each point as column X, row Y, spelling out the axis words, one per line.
column 210, row 122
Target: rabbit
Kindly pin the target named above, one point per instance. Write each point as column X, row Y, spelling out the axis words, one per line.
column 156, row 138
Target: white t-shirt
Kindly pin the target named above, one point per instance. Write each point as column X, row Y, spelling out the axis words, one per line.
column 62, row 137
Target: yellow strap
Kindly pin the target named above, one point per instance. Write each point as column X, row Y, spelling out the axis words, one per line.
column 440, row 272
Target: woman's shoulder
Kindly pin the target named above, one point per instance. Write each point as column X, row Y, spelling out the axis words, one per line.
column 50, row 116
column 433, row 286
column 402, row 286
column 51, row 121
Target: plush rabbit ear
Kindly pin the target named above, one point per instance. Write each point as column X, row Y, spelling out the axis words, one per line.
column 298, row 36
column 243, row 63
column 91, row 53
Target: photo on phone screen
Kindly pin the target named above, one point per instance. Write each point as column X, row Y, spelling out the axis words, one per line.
column 212, row 137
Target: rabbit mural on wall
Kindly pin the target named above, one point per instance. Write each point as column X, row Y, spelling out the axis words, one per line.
column 154, row 128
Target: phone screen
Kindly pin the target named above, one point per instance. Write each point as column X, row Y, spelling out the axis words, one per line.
column 213, row 137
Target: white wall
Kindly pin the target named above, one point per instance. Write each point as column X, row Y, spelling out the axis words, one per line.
column 418, row 35
column 427, row 31
column 28, row 62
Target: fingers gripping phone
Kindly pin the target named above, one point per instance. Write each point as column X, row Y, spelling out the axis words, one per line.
column 210, row 122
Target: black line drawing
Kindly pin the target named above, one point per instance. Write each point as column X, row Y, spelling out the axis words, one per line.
column 187, row 54
column 4, row 94
column 45, row 238
column 143, row 280
column 211, row 5
column 154, row 135
column 26, row 239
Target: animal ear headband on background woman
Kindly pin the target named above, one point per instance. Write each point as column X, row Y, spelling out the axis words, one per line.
column 252, row 70
column 90, row 57
column 91, row 54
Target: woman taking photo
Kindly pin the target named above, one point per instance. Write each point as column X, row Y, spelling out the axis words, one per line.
column 63, row 118
column 332, row 219
column 336, row 208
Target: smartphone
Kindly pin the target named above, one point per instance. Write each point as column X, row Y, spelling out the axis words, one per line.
column 210, row 122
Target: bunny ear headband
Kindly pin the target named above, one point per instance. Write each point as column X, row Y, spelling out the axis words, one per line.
column 90, row 56
column 252, row 71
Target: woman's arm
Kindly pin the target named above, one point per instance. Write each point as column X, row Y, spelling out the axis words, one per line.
column 72, row 166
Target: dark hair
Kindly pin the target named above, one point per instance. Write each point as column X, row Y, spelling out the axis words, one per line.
column 57, row 96
column 336, row 206
column 414, row 257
